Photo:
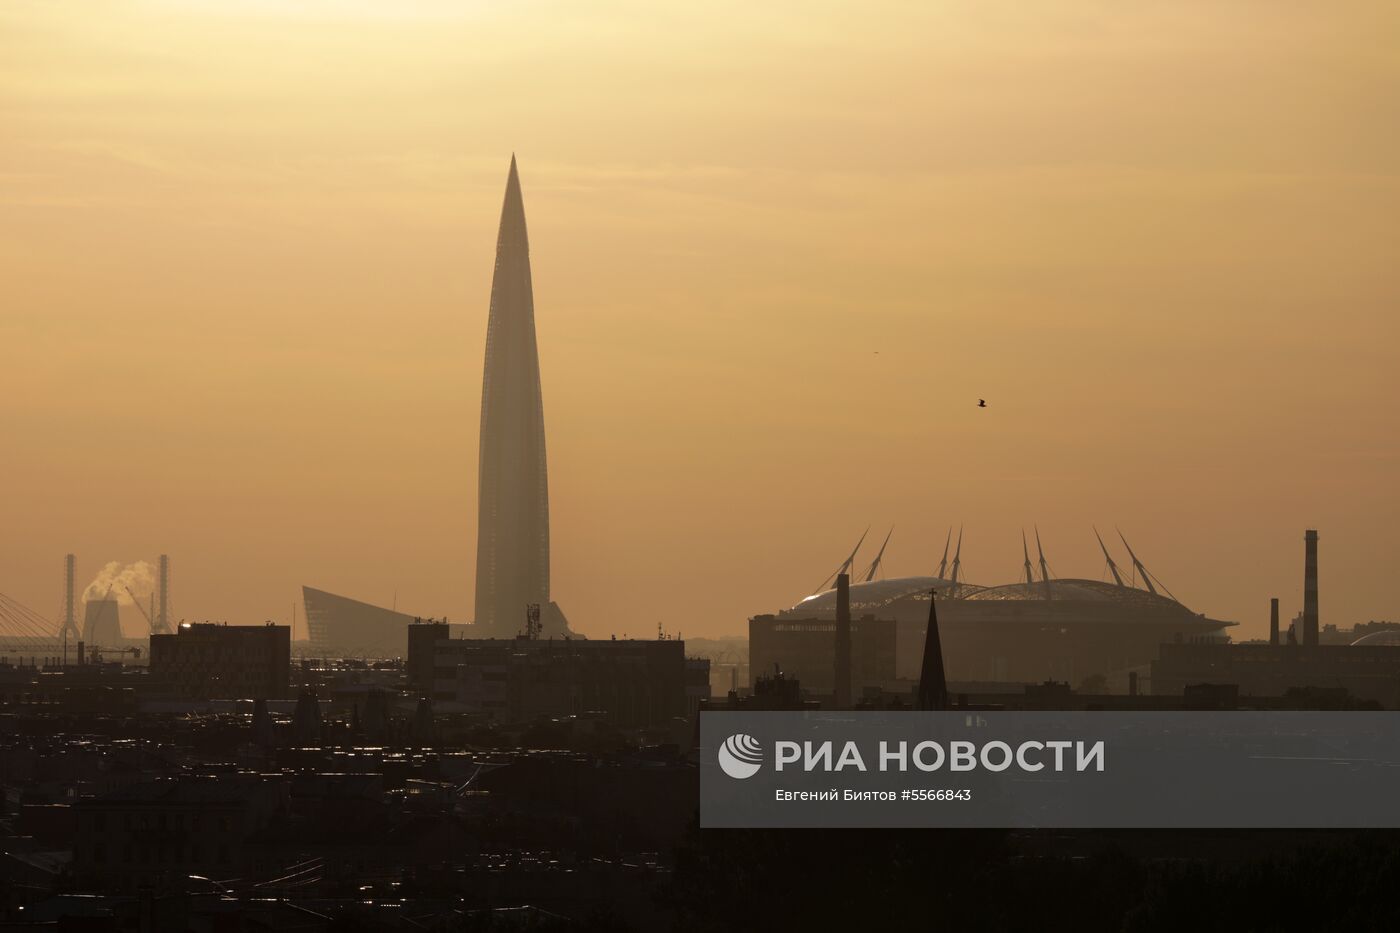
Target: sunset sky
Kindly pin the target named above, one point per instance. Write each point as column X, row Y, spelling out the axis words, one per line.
column 779, row 251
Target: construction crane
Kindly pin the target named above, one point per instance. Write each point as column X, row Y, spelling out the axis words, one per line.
column 96, row 652
column 150, row 620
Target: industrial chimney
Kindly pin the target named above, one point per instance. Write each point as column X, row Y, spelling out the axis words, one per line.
column 162, row 625
column 842, row 691
column 1310, row 588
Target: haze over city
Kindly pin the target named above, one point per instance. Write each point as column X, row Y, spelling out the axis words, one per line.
column 248, row 267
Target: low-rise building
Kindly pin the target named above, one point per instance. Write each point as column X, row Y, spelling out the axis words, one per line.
column 1367, row 672
column 162, row 832
column 632, row 682
column 805, row 649
column 208, row 661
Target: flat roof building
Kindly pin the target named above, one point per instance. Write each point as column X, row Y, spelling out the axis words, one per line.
column 1367, row 672
column 209, row 661
column 805, row 649
column 632, row 682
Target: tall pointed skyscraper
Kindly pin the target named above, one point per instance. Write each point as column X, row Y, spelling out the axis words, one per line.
column 512, row 532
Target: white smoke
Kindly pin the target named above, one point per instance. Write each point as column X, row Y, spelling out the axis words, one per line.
column 115, row 579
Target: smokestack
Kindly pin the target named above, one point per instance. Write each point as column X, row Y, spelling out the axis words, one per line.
column 1310, row 588
column 1273, row 621
column 70, row 620
column 842, row 691
column 163, row 597
column 933, row 684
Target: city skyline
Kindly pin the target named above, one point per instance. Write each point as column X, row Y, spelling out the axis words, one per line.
column 250, row 278
column 1054, row 339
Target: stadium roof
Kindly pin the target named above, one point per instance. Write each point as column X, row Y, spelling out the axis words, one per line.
column 867, row 596
column 902, row 597
column 1092, row 591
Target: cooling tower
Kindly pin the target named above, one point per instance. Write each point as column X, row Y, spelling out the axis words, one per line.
column 102, row 623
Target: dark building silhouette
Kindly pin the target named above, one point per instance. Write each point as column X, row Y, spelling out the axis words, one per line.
column 424, row 725
column 306, row 719
column 1367, row 672
column 841, row 689
column 375, row 723
column 803, row 649
column 1367, row 668
column 631, row 682
column 158, row 833
column 771, row 692
column 1310, row 616
column 207, row 661
column 262, row 723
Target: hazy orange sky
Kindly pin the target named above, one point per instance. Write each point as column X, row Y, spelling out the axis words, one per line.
column 779, row 251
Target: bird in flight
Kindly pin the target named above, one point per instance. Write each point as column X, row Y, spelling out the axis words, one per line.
column 981, row 403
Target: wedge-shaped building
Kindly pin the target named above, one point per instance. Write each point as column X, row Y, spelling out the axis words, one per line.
column 345, row 627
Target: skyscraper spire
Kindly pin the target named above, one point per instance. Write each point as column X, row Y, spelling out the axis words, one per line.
column 512, row 553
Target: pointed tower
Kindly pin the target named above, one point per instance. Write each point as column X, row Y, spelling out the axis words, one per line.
column 512, row 532
column 933, row 681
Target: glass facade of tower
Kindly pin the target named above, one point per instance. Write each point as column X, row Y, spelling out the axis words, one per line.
column 512, row 562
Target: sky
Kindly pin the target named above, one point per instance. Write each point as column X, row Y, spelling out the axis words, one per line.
column 779, row 252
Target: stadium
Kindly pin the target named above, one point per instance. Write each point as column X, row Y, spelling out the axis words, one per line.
column 1033, row 630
